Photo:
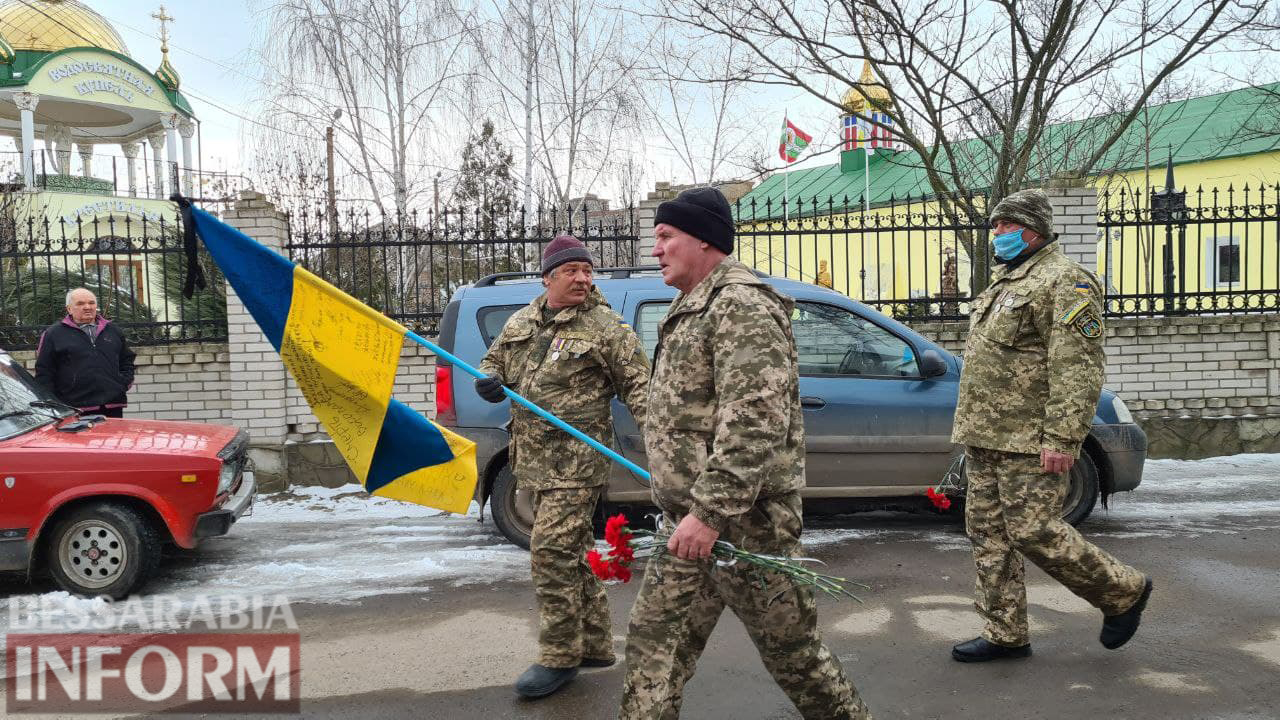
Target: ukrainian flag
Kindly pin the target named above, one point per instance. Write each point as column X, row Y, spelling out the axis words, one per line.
column 343, row 355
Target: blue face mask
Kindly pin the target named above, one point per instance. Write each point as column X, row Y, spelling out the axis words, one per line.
column 1009, row 245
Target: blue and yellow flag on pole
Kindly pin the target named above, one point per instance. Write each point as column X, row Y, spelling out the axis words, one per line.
column 344, row 355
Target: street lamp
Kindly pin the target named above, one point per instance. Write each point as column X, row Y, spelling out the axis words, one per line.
column 1169, row 206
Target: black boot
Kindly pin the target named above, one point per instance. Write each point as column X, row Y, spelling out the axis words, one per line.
column 539, row 681
column 1117, row 629
column 980, row 649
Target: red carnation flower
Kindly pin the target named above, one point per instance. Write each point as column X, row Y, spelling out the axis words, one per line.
column 613, row 530
column 939, row 500
column 602, row 568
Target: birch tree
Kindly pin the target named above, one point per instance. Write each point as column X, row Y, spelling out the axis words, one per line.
column 394, row 68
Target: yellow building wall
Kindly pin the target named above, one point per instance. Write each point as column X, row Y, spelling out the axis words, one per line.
column 868, row 260
column 1230, row 221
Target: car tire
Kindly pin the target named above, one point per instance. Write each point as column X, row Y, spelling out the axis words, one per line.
column 102, row 549
column 1082, row 490
column 512, row 508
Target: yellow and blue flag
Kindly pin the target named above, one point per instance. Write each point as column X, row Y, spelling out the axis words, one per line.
column 344, row 355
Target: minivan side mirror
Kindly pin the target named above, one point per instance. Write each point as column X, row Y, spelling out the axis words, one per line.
column 932, row 364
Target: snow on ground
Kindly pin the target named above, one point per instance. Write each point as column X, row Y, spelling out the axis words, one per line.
column 1193, row 497
column 313, row 545
column 340, row 545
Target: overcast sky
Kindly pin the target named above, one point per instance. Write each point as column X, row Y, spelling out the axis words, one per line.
column 209, row 45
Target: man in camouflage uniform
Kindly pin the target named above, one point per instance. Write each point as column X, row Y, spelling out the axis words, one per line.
column 570, row 354
column 1032, row 375
column 725, row 441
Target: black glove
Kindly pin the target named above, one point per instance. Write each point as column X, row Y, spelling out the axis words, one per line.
column 490, row 388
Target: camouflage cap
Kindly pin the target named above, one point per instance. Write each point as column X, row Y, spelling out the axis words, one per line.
column 1028, row 208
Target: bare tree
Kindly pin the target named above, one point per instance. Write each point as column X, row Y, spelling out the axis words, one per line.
column 392, row 67
column 695, row 103
column 585, row 93
column 981, row 89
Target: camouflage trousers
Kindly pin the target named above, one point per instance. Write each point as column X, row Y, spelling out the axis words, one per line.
column 1014, row 510
column 680, row 602
column 573, row 610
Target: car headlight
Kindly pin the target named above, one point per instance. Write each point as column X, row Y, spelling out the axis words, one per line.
column 226, row 476
column 1123, row 416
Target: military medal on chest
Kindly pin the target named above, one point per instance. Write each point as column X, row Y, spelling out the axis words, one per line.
column 556, row 345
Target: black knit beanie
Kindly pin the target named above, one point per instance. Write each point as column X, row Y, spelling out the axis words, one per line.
column 703, row 213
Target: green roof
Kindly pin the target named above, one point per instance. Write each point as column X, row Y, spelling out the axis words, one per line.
column 1204, row 128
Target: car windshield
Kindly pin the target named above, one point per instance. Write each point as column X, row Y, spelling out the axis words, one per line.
column 18, row 390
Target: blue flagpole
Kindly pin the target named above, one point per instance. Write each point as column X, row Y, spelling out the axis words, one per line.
column 604, row 449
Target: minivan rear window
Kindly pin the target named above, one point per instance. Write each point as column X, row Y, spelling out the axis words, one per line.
column 491, row 320
column 648, row 318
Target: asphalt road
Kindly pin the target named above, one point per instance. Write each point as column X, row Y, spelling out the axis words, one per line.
column 449, row 646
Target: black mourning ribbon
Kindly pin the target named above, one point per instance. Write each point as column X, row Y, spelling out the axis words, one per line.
column 190, row 244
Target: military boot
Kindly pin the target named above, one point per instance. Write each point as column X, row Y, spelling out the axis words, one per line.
column 1117, row 629
column 540, row 681
column 981, row 649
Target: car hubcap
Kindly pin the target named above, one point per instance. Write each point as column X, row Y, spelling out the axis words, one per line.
column 93, row 553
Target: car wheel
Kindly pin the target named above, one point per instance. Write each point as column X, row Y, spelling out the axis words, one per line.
column 512, row 508
column 103, row 549
column 1082, row 490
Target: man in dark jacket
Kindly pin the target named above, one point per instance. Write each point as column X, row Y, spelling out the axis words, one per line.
column 84, row 360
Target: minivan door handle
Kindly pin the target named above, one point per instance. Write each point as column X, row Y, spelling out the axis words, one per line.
column 812, row 403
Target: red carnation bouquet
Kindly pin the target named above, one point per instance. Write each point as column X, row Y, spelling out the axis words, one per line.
column 953, row 484
column 626, row 544
column 939, row 500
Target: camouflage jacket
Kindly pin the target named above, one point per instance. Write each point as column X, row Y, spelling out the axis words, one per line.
column 572, row 367
column 724, row 425
column 1034, row 362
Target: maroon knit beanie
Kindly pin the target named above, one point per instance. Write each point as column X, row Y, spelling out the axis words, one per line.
column 563, row 249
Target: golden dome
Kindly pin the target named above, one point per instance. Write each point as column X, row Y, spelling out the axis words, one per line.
column 52, row 25
column 868, row 88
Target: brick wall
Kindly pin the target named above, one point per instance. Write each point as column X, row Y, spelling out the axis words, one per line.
column 177, row 382
column 1174, row 367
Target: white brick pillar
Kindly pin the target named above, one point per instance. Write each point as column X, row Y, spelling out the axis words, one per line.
column 1075, row 219
column 258, row 379
column 645, row 211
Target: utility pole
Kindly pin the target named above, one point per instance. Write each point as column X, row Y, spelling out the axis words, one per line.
column 332, row 209
column 435, row 186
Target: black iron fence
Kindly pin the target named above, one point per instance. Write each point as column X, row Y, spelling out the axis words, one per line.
column 1206, row 251
column 910, row 258
column 408, row 265
column 134, row 264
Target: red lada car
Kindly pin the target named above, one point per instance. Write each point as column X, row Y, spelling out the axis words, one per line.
column 93, row 499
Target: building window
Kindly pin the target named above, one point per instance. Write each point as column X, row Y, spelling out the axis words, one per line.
column 1223, row 266
column 124, row 275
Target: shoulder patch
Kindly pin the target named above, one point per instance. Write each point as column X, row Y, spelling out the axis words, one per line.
column 1088, row 324
column 1069, row 316
column 1083, row 288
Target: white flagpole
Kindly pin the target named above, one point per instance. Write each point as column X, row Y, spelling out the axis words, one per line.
column 786, row 176
column 866, row 173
